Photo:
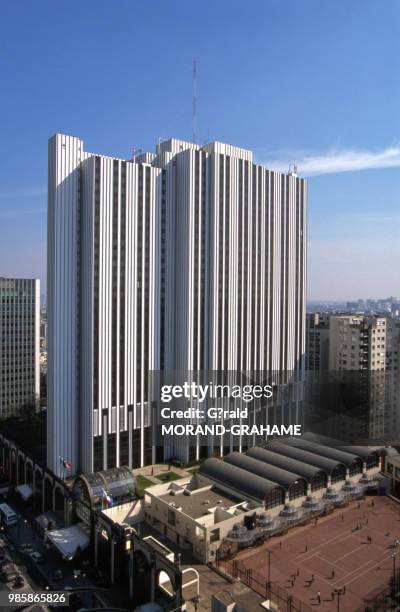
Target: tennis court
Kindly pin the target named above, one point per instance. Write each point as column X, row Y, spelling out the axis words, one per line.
column 351, row 549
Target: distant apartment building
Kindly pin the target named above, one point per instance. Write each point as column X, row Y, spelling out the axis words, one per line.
column 393, row 344
column 392, row 419
column 317, row 367
column 317, row 341
column 357, row 342
column 353, row 375
column 19, row 344
column 367, row 346
column 191, row 258
column 43, row 327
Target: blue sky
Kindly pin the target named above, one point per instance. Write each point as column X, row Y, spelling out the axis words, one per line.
column 303, row 80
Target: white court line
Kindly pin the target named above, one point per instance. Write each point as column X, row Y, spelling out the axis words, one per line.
column 367, row 570
column 342, row 536
column 345, row 578
column 326, row 580
column 339, row 567
column 351, row 552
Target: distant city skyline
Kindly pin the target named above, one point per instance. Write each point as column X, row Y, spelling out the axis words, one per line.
column 315, row 86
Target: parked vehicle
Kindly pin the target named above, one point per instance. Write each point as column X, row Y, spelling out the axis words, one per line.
column 8, row 516
column 9, row 572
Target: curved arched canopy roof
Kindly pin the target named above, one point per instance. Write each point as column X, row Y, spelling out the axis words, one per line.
column 323, row 463
column 363, row 452
column 305, row 470
column 118, row 484
column 237, row 479
column 276, row 474
column 346, row 458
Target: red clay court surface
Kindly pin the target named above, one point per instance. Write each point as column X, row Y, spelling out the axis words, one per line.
column 360, row 567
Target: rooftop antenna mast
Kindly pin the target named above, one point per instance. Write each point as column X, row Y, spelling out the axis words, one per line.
column 194, row 101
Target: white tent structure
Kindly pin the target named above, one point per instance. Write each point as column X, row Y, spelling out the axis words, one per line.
column 25, row 491
column 69, row 539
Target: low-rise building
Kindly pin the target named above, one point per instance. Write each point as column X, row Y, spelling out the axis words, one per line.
column 195, row 514
column 392, row 471
column 201, row 512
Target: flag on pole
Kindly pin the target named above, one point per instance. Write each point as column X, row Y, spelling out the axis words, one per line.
column 67, row 464
column 107, row 497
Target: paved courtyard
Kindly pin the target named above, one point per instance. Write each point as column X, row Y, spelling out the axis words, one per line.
column 352, row 549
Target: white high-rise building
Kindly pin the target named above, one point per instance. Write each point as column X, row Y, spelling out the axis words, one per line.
column 104, row 236
column 19, row 344
column 192, row 258
column 235, row 268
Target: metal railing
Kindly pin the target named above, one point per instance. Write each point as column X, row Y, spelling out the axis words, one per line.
column 258, row 583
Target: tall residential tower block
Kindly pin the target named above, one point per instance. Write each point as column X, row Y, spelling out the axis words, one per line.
column 19, row 345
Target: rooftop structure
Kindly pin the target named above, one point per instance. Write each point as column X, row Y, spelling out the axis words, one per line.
column 200, row 502
column 335, row 469
column 348, row 459
column 108, row 486
column 294, row 484
column 316, row 477
column 368, row 454
column 244, row 482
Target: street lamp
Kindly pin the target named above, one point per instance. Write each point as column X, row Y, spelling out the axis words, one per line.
column 339, row 592
column 394, row 572
column 269, row 571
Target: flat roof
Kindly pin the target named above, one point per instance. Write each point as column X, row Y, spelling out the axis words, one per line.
column 199, row 502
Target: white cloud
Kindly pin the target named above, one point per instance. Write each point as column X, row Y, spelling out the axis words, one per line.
column 337, row 160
